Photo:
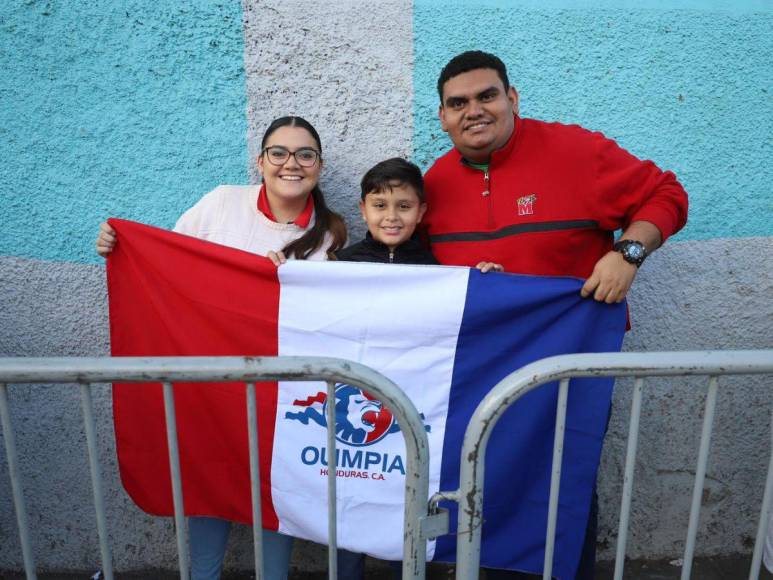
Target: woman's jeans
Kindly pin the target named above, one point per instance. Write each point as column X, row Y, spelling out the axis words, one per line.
column 209, row 537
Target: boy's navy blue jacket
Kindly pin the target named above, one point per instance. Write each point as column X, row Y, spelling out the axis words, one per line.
column 369, row 250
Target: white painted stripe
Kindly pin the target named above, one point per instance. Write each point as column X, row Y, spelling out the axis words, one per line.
column 401, row 320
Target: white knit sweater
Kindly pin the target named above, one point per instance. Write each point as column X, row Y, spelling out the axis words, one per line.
column 229, row 215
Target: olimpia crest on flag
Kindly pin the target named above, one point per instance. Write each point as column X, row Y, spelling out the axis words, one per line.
column 361, row 419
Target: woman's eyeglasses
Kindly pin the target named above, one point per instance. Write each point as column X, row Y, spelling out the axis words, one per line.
column 278, row 155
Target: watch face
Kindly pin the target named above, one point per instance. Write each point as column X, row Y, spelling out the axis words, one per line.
column 634, row 251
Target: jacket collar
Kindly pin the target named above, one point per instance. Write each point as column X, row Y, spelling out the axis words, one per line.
column 503, row 153
column 302, row 221
column 413, row 243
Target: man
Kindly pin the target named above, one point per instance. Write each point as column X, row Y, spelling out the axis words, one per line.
column 541, row 198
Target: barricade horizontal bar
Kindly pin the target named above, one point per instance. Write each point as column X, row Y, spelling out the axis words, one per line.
column 178, row 369
column 649, row 364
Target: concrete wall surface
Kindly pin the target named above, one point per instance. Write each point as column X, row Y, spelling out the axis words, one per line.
column 135, row 109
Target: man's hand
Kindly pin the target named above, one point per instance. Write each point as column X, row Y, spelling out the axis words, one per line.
column 612, row 276
column 611, row 279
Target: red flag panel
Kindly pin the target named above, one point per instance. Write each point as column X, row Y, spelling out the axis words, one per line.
column 226, row 305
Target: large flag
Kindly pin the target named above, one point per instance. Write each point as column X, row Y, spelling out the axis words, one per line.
column 445, row 335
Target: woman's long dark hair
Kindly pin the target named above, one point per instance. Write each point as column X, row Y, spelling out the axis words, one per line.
column 325, row 220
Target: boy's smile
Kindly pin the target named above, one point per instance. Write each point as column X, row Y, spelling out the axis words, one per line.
column 392, row 214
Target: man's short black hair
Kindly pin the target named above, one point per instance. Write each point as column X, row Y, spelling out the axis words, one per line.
column 392, row 173
column 471, row 60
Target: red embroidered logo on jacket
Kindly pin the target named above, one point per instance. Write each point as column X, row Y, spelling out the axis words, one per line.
column 526, row 204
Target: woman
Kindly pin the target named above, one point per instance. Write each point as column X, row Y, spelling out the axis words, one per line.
column 285, row 217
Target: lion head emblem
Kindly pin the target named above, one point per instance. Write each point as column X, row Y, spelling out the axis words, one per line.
column 360, row 419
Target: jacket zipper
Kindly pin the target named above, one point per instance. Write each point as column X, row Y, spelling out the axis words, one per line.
column 487, row 193
column 391, row 256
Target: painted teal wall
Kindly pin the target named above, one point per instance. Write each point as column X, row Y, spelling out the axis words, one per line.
column 135, row 109
column 130, row 108
column 688, row 84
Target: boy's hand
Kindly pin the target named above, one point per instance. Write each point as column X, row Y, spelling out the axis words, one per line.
column 489, row 267
column 277, row 257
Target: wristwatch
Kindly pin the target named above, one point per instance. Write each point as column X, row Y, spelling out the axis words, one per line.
column 633, row 252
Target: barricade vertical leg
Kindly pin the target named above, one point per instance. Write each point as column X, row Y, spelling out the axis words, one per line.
column 470, row 524
column 96, row 480
column 257, row 520
column 762, row 527
column 700, row 476
column 555, row 478
column 332, row 551
column 177, row 488
column 630, row 463
column 18, row 495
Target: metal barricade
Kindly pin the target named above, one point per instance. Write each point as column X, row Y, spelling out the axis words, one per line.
column 561, row 368
column 168, row 370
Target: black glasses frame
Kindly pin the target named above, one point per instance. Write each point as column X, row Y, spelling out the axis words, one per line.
column 287, row 153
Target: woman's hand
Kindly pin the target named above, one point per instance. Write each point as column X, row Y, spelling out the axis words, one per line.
column 277, row 257
column 489, row 267
column 106, row 239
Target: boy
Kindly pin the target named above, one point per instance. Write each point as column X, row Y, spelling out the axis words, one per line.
column 392, row 205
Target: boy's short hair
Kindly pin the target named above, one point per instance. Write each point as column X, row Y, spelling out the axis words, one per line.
column 468, row 61
column 386, row 174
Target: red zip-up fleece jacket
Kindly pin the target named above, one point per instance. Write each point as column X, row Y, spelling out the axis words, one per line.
column 549, row 204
